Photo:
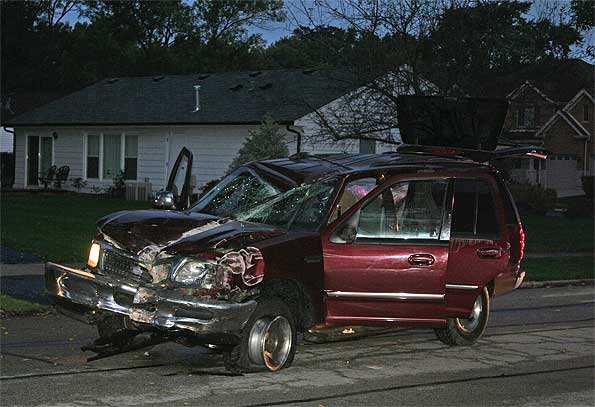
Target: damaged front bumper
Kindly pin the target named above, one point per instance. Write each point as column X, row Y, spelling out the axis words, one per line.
column 160, row 307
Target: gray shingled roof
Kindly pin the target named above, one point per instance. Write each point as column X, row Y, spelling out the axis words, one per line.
column 225, row 98
column 560, row 80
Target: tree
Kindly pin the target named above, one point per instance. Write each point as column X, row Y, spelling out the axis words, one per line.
column 265, row 143
column 471, row 43
column 226, row 21
column 408, row 46
column 152, row 26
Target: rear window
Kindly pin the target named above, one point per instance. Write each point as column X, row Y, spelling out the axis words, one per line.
column 474, row 213
column 510, row 214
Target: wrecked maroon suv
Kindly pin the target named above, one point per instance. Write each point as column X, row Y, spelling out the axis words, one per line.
column 411, row 238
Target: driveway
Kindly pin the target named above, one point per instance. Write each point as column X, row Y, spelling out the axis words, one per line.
column 538, row 350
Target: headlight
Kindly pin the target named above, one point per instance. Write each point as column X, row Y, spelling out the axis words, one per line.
column 93, row 259
column 195, row 272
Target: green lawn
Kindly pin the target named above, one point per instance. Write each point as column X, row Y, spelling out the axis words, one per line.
column 558, row 268
column 549, row 234
column 55, row 226
column 12, row 306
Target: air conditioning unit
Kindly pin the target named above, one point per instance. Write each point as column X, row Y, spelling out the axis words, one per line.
column 138, row 191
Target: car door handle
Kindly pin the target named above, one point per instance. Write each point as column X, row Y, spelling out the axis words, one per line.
column 421, row 259
column 489, row 253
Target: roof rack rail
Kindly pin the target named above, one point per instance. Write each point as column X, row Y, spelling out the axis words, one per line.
column 304, row 154
column 481, row 156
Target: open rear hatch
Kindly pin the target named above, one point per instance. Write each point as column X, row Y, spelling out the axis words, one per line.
column 466, row 128
column 470, row 123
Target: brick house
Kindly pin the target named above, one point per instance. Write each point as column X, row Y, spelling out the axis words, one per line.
column 551, row 105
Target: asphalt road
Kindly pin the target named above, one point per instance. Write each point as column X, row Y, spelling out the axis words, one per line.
column 537, row 351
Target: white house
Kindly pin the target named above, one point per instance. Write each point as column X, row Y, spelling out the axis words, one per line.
column 139, row 125
column 6, row 140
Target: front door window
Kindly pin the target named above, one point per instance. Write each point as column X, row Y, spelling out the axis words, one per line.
column 179, row 179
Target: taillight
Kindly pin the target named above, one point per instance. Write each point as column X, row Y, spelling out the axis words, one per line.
column 521, row 247
column 522, row 236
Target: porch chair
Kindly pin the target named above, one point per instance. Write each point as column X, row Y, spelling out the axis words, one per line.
column 47, row 178
column 61, row 176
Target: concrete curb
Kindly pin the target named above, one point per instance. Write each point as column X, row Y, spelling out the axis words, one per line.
column 556, row 283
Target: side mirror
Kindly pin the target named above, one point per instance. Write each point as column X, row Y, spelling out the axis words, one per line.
column 164, row 200
column 345, row 233
column 348, row 233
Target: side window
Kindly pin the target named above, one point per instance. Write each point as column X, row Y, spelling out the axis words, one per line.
column 406, row 210
column 354, row 191
column 474, row 212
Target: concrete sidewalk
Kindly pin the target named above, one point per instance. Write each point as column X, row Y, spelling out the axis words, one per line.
column 29, row 269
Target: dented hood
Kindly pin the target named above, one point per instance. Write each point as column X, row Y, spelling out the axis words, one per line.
column 179, row 232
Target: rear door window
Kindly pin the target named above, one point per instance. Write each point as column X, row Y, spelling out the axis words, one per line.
column 406, row 210
column 474, row 212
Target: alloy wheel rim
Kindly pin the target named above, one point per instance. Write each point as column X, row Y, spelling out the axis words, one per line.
column 270, row 342
column 471, row 323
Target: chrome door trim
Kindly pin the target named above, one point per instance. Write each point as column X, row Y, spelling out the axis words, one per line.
column 384, row 296
column 462, row 287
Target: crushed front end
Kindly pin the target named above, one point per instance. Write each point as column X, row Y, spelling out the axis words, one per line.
column 172, row 296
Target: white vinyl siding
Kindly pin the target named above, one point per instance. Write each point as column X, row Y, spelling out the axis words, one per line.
column 19, row 154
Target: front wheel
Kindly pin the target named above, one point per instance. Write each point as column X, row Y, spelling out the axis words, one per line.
column 268, row 341
column 465, row 331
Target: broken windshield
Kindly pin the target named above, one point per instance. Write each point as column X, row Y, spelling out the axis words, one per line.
column 240, row 190
column 301, row 208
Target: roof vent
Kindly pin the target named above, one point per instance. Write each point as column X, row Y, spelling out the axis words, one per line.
column 236, row 87
column 197, row 98
column 254, row 74
column 308, row 71
column 158, row 78
column 112, row 80
column 203, row 76
column 266, row 86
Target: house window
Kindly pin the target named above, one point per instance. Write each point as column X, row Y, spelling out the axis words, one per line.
column 112, row 150
column 527, row 117
column 130, row 156
column 586, row 112
column 108, row 154
column 93, row 156
column 367, row 146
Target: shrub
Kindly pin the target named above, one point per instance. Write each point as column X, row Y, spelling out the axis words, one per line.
column 533, row 198
column 78, row 183
column 262, row 144
column 118, row 189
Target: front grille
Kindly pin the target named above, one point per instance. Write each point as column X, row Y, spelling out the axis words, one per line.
column 122, row 267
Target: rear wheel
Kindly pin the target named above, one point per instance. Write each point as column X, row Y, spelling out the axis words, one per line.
column 465, row 331
column 268, row 341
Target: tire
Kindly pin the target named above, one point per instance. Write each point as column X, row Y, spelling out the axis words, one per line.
column 113, row 330
column 272, row 318
column 464, row 332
